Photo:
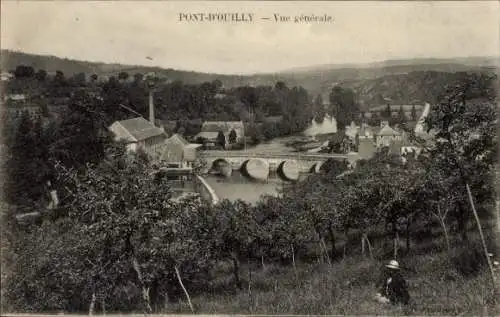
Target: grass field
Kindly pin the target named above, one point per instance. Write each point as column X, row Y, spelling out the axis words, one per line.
column 436, row 286
column 347, row 287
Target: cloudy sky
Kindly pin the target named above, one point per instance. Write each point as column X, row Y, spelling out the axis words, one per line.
column 128, row 32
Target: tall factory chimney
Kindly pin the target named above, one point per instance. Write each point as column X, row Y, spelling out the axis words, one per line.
column 151, row 107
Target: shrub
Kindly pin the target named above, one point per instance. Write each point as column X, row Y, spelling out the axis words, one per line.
column 469, row 259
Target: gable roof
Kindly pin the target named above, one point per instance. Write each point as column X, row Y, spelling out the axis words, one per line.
column 387, row 131
column 180, row 138
column 139, row 129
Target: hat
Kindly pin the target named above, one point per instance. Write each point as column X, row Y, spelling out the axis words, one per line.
column 393, row 264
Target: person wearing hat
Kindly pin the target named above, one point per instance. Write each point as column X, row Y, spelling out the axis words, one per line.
column 392, row 286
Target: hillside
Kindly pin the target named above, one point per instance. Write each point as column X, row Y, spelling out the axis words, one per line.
column 413, row 87
column 402, row 80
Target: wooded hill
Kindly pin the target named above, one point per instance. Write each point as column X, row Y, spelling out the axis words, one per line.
column 403, row 80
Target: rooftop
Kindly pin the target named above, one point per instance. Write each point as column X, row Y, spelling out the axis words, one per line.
column 140, row 129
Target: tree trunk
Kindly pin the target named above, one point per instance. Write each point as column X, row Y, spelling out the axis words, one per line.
column 184, row 289
column 236, row 270
column 395, row 235
column 366, row 243
column 346, row 237
column 485, row 248
column 408, row 224
column 144, row 289
column 445, row 232
column 369, row 246
column 293, row 261
column 322, row 242
column 166, row 302
column 363, row 244
column 333, row 250
column 92, row 305
column 103, row 306
column 462, row 223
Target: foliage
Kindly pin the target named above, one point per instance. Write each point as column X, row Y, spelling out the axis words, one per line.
column 221, row 139
column 232, row 137
column 344, row 106
column 319, row 109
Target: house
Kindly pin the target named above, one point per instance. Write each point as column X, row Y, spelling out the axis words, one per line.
column 15, row 97
column 138, row 133
column 5, row 76
column 178, row 153
column 387, row 135
column 210, row 130
column 352, row 130
column 368, row 132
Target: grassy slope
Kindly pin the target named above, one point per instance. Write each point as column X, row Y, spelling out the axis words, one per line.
column 348, row 286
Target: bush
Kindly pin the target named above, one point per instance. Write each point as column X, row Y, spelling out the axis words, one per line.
column 469, row 260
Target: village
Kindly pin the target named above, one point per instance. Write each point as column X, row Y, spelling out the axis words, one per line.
column 154, row 162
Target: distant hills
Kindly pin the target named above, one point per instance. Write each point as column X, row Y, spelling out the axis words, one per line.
column 395, row 79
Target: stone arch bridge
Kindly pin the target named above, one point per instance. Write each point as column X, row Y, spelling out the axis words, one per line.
column 258, row 165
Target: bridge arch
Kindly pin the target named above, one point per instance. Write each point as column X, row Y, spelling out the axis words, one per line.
column 222, row 166
column 288, row 170
column 316, row 168
column 255, row 168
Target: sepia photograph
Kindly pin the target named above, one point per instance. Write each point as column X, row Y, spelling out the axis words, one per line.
column 249, row 158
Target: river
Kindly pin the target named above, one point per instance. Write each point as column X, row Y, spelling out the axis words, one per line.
column 238, row 186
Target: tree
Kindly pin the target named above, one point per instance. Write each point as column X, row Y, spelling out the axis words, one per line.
column 121, row 237
column 387, row 114
column 413, row 113
column 41, row 75
column 344, row 106
column 23, row 71
column 138, row 77
column 319, row 109
column 93, row 78
column 465, row 148
column 79, row 79
column 123, row 76
column 221, row 139
column 232, row 137
column 401, row 119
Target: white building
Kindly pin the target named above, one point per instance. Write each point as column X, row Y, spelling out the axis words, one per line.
column 138, row 133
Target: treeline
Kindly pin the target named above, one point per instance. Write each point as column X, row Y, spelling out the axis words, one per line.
column 124, row 245
column 188, row 105
column 32, row 145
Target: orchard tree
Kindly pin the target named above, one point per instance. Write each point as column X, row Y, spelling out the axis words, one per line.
column 463, row 124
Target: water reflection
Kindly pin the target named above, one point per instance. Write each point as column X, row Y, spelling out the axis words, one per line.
column 238, row 186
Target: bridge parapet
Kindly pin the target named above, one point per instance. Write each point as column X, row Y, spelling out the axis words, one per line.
column 305, row 162
column 284, row 156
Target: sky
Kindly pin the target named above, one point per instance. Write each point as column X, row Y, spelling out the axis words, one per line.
column 151, row 33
